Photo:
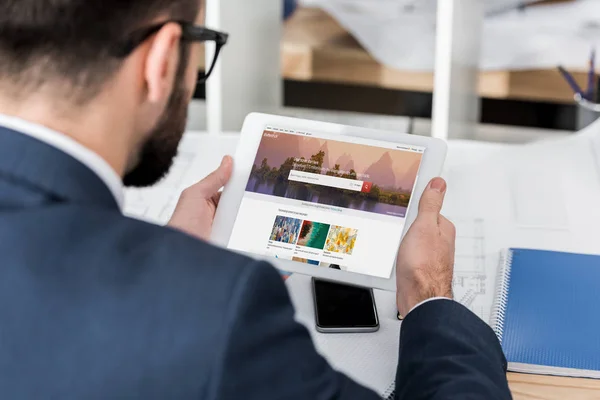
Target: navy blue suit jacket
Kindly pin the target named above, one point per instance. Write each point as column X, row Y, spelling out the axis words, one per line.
column 95, row 305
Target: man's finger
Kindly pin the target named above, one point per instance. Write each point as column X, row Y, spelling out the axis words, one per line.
column 217, row 198
column 432, row 199
column 209, row 186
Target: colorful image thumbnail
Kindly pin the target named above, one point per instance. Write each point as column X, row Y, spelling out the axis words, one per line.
column 313, row 234
column 341, row 240
column 305, row 261
column 285, row 229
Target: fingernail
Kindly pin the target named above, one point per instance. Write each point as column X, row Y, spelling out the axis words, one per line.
column 226, row 160
column 438, row 184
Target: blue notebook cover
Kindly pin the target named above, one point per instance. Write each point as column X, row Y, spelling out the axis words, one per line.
column 547, row 312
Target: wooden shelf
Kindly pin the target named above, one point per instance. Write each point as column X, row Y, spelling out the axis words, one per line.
column 315, row 48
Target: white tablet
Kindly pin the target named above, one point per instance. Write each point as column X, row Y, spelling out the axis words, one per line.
column 323, row 199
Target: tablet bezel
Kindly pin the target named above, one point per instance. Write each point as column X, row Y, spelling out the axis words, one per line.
column 251, row 135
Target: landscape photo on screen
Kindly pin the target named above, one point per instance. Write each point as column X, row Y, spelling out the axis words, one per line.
column 321, row 171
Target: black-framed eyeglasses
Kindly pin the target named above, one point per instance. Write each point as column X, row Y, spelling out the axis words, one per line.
column 190, row 33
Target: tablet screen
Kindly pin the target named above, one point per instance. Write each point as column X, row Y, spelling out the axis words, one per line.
column 328, row 201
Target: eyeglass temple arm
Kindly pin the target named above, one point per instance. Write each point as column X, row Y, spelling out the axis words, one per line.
column 204, row 34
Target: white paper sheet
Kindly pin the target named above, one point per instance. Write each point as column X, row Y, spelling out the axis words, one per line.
column 401, row 33
column 538, row 198
column 474, row 268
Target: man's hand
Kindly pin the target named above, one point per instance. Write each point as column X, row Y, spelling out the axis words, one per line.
column 426, row 257
column 197, row 205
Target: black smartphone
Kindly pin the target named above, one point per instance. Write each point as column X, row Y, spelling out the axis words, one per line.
column 344, row 308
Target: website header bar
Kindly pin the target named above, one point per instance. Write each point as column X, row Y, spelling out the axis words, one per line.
column 349, row 139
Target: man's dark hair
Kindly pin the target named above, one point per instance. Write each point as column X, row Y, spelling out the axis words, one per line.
column 74, row 40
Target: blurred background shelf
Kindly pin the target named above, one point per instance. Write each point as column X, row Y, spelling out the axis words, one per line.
column 315, row 48
column 325, row 68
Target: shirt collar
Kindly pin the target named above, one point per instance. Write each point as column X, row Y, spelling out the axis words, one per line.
column 72, row 148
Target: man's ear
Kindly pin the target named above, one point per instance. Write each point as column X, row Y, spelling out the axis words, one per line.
column 162, row 61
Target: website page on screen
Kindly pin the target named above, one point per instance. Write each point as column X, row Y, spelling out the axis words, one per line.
column 328, row 201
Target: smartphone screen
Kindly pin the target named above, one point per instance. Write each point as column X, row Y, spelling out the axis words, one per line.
column 339, row 306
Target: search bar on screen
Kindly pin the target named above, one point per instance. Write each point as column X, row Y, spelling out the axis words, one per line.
column 330, row 181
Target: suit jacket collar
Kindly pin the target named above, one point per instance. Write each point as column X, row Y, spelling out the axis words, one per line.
column 48, row 169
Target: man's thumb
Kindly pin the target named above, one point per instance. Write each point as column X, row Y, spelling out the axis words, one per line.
column 433, row 197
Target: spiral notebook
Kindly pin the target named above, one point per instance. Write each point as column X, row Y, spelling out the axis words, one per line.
column 546, row 312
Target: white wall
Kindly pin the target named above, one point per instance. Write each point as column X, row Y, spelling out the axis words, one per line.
column 248, row 76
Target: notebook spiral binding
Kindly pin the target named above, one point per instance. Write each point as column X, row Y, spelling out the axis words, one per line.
column 501, row 294
column 390, row 393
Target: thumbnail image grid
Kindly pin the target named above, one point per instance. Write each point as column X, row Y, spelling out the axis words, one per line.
column 285, row 229
column 341, row 240
column 313, row 234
